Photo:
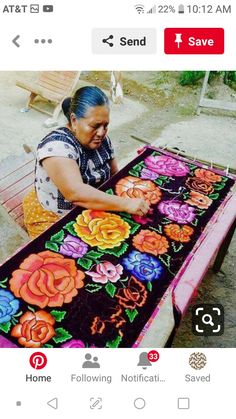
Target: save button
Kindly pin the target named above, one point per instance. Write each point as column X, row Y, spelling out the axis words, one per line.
column 194, row 41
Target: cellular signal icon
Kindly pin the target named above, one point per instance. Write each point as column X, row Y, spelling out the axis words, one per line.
column 152, row 10
column 139, row 8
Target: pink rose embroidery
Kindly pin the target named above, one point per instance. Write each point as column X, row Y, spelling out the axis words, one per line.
column 75, row 343
column 166, row 166
column 106, row 271
column 177, row 211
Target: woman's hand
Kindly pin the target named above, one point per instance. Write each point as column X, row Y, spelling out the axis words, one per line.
column 136, row 206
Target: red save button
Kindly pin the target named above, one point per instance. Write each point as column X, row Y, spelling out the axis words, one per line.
column 194, row 41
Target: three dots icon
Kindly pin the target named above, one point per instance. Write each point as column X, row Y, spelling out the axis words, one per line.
column 43, row 41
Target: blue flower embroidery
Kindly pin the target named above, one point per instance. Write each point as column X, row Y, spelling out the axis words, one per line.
column 143, row 266
column 8, row 306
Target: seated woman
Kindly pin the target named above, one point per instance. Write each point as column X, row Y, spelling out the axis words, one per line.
column 72, row 162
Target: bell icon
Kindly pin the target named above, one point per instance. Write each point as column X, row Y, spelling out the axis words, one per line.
column 144, row 361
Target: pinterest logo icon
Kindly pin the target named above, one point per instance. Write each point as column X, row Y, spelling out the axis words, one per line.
column 38, row 360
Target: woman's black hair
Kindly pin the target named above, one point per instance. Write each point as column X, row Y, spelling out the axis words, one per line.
column 83, row 99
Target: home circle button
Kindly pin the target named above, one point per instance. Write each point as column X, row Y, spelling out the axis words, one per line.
column 139, row 403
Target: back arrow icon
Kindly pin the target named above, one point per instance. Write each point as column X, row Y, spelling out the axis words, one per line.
column 15, row 41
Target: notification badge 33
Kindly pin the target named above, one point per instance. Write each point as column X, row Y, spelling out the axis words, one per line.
column 38, row 360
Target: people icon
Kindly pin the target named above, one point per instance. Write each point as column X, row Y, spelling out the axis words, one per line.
column 91, row 363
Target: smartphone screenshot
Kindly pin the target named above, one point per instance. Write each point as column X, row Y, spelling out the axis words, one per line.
column 117, row 209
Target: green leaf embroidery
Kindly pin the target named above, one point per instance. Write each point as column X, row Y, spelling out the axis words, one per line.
column 58, row 237
column 200, row 212
column 93, row 254
column 110, row 191
column 214, row 196
column 114, row 343
column 85, row 263
column 5, row 327
column 117, row 251
column 224, row 179
column 177, row 248
column 149, row 286
column 139, row 166
column 110, row 289
column 194, row 222
column 46, row 345
column 218, row 186
column 58, row 315
column 124, row 214
column 70, row 228
column 133, row 172
column 134, row 226
column 186, row 195
column 163, row 177
column 192, row 166
column 3, row 282
column 124, row 280
column 31, row 309
column 61, row 335
column 158, row 182
column 165, row 221
column 131, row 314
column 165, row 259
column 52, row 246
column 93, row 288
column 158, row 229
column 18, row 314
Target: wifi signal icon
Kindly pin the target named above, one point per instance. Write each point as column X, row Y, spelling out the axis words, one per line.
column 139, row 8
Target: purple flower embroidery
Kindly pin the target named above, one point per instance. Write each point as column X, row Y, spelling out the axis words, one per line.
column 148, row 174
column 74, row 247
column 75, row 343
column 166, row 166
column 177, row 211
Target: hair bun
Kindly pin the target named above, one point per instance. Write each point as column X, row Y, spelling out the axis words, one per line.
column 66, row 107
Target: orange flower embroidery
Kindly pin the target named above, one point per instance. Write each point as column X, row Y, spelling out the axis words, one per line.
column 99, row 324
column 34, row 329
column 207, row 175
column 150, row 242
column 134, row 295
column 47, row 279
column 102, row 229
column 179, row 233
column 133, row 187
column 198, row 200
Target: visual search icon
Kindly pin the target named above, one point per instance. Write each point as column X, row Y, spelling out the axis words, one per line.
column 208, row 320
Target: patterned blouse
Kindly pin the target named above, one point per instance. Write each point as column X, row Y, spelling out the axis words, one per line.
column 94, row 166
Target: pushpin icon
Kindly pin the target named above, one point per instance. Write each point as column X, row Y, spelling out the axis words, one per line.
column 181, row 8
column 178, row 39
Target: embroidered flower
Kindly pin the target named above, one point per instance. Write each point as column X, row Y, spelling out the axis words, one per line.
column 144, row 219
column 74, row 247
column 34, row 329
column 99, row 324
column 8, row 306
column 47, row 279
column 178, row 233
column 103, row 229
column 207, row 175
column 134, row 295
column 106, row 271
column 198, row 200
column 148, row 174
column 150, row 242
column 133, row 187
column 167, row 166
column 75, row 343
column 199, row 185
column 142, row 266
column 177, row 211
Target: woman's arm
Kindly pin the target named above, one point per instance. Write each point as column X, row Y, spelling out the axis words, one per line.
column 66, row 176
column 114, row 167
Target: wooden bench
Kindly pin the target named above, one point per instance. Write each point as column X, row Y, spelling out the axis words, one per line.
column 16, row 180
column 54, row 86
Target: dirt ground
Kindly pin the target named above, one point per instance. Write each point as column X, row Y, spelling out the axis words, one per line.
column 156, row 109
